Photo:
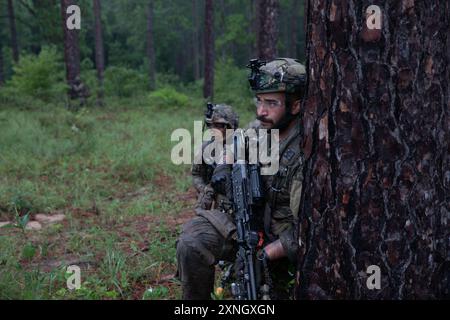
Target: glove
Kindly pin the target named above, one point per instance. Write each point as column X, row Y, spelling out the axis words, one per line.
column 221, row 179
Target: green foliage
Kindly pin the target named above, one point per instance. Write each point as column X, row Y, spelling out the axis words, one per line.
column 234, row 34
column 168, row 97
column 28, row 251
column 124, row 82
column 39, row 76
column 53, row 159
column 21, row 222
column 231, row 85
column 89, row 78
column 114, row 268
column 168, row 80
column 21, row 202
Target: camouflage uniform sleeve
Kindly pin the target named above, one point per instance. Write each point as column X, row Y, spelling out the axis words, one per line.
column 289, row 215
column 198, row 177
column 198, row 171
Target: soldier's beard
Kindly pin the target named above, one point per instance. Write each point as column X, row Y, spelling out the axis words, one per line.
column 281, row 124
column 284, row 122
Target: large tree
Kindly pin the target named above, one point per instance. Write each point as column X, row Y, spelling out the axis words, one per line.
column 376, row 140
column 208, row 87
column 71, row 45
column 13, row 31
column 71, row 26
column 268, row 28
column 99, row 51
column 294, row 22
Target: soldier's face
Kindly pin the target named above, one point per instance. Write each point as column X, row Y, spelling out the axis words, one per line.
column 270, row 109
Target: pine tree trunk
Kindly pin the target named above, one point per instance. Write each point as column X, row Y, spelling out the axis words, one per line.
column 2, row 72
column 99, row 51
column 71, row 53
column 268, row 29
column 195, row 42
column 151, row 45
column 208, row 88
column 294, row 29
column 255, row 26
column 13, row 31
column 376, row 139
column 222, row 9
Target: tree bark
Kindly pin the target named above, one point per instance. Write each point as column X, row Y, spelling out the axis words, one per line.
column 13, row 32
column 255, row 26
column 99, row 51
column 268, row 29
column 195, row 42
column 208, row 88
column 294, row 29
column 376, row 141
column 151, row 45
column 71, row 55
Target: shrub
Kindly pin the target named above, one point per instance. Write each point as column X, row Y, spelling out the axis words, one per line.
column 168, row 97
column 123, row 82
column 40, row 76
column 168, row 80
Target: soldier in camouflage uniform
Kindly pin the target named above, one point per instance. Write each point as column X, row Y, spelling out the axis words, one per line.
column 210, row 236
column 78, row 91
column 222, row 118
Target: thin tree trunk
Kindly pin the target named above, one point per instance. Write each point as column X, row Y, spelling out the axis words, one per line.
column 222, row 21
column 99, row 52
column 294, row 29
column 151, row 45
column 71, row 55
column 208, row 88
column 195, row 42
column 13, row 31
column 376, row 141
column 257, row 27
column 268, row 29
column 252, row 29
column 2, row 74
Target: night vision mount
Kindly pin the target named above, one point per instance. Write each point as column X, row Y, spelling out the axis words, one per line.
column 255, row 75
column 209, row 111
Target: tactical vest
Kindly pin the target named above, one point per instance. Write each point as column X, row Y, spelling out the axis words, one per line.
column 283, row 189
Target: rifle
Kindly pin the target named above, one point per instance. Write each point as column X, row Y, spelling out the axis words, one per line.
column 247, row 196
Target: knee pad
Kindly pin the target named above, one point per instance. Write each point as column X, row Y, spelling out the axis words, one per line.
column 191, row 249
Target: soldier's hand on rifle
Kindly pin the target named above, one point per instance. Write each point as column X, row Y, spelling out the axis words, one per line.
column 220, row 179
column 275, row 250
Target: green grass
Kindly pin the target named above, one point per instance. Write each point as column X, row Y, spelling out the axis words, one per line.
column 109, row 171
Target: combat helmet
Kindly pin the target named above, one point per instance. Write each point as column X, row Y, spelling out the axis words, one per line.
column 279, row 75
column 221, row 113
